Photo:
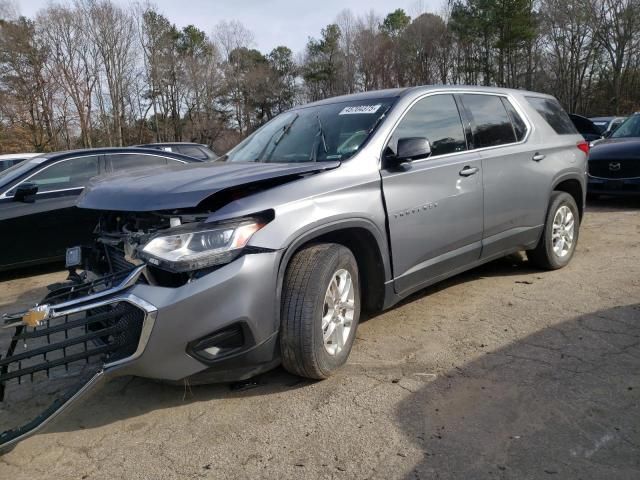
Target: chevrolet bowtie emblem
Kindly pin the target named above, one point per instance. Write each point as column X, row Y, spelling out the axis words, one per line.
column 36, row 315
column 614, row 166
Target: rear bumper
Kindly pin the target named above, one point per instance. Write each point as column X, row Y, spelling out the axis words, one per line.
column 606, row 186
column 241, row 295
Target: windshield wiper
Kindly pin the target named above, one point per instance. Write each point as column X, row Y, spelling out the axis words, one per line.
column 380, row 118
column 286, row 129
column 322, row 137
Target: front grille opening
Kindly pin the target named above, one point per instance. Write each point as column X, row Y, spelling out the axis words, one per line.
column 220, row 344
column 38, row 366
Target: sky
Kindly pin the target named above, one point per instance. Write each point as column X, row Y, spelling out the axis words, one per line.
column 273, row 22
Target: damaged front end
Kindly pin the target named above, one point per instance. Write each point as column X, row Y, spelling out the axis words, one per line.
column 88, row 326
column 83, row 329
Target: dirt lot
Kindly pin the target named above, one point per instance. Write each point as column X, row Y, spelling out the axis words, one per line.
column 504, row 372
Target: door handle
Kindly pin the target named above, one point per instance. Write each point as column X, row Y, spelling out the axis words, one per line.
column 468, row 171
column 538, row 156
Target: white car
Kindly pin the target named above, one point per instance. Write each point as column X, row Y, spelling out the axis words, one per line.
column 11, row 159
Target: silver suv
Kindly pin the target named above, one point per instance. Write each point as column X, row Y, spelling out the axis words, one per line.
column 221, row 271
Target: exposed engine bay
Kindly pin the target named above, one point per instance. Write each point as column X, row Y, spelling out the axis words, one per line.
column 120, row 237
column 89, row 322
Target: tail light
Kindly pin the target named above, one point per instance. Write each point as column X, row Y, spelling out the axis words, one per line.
column 584, row 146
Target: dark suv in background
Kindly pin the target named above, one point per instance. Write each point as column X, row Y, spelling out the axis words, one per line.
column 614, row 162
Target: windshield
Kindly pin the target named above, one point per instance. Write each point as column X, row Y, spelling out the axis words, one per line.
column 629, row 128
column 313, row 134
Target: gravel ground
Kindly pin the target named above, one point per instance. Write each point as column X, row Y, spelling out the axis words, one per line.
column 502, row 372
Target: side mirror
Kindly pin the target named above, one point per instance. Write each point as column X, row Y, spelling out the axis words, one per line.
column 412, row 148
column 26, row 192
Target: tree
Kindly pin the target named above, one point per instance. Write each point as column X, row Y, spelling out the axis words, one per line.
column 570, row 43
column 618, row 37
column 399, row 55
column 113, row 33
column 323, row 65
column 284, row 71
column 347, row 24
column 26, row 94
column 73, row 61
column 159, row 41
column 423, row 38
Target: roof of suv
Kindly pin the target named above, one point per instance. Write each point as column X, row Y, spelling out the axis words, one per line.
column 400, row 92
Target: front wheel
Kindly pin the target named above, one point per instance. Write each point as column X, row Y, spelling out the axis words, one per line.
column 560, row 234
column 320, row 310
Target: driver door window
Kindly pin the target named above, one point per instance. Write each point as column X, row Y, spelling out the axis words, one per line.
column 437, row 119
column 67, row 174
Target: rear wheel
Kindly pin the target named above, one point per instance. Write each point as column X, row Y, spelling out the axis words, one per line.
column 560, row 235
column 320, row 310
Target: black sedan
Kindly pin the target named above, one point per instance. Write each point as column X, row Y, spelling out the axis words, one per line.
column 38, row 217
column 614, row 163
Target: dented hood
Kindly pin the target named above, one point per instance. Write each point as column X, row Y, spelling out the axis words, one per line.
column 171, row 187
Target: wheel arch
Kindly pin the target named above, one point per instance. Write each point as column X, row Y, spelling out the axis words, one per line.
column 574, row 187
column 367, row 244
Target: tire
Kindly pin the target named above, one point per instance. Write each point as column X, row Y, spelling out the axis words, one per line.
column 307, row 280
column 545, row 256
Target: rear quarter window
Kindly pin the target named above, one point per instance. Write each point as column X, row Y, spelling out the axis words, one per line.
column 491, row 123
column 554, row 114
column 519, row 127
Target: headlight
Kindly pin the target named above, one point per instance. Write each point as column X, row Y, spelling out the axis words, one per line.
column 201, row 247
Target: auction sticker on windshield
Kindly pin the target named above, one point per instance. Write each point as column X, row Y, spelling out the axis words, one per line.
column 360, row 109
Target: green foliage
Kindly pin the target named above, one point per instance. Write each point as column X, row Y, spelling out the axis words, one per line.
column 395, row 23
column 323, row 63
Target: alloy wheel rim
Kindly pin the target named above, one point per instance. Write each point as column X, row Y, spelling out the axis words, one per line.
column 338, row 312
column 563, row 231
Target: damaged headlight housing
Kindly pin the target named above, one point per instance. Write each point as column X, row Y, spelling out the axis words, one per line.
column 201, row 246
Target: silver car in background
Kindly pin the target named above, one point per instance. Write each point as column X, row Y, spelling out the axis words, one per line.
column 221, row 271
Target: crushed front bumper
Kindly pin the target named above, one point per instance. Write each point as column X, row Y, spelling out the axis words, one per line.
column 133, row 328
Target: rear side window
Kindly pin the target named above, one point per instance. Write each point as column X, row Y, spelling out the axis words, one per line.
column 193, row 151
column 435, row 118
column 554, row 114
column 128, row 161
column 519, row 126
column 491, row 123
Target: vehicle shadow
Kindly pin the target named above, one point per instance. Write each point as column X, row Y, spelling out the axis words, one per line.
column 564, row 400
